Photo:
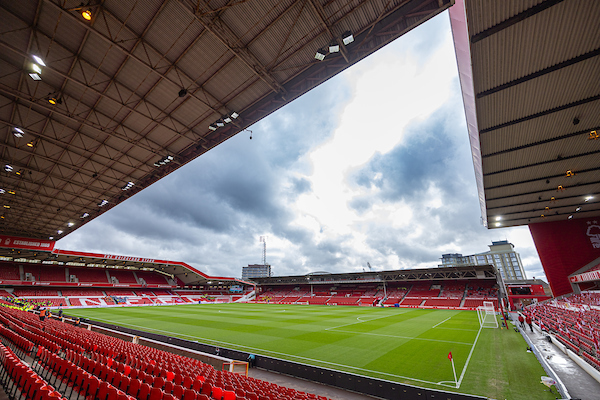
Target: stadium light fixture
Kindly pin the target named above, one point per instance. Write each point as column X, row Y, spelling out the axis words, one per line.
column 320, row 54
column 6, row 206
column 31, row 144
column 220, row 123
column 227, row 119
column 128, row 186
column 498, row 224
column 70, row 224
column 212, row 127
column 54, row 100
column 347, row 38
column 2, row 191
column 86, row 13
column 36, row 68
column 8, row 168
column 578, row 209
column 102, row 203
column 59, row 232
column 35, row 77
column 38, row 60
column 234, row 115
column 499, row 218
column 570, row 217
column 334, row 47
column 85, row 215
column 18, row 132
column 588, row 198
column 593, row 135
column 51, row 238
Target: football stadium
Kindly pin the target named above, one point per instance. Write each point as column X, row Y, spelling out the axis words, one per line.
column 103, row 99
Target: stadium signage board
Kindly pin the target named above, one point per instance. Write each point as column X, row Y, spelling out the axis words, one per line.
column 26, row 243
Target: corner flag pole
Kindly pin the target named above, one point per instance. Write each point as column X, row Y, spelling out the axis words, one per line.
column 453, row 369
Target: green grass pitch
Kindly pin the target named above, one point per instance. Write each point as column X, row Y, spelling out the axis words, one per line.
column 396, row 344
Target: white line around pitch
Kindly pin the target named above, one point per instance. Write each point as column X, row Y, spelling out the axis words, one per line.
column 441, row 322
column 468, row 359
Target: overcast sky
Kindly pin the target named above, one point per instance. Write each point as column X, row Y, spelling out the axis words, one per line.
column 372, row 166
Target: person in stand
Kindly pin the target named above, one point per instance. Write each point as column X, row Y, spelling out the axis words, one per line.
column 528, row 322
column 78, row 322
column 60, row 311
column 521, row 320
column 251, row 360
column 43, row 314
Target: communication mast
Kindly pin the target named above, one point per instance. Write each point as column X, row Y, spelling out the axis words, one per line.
column 263, row 240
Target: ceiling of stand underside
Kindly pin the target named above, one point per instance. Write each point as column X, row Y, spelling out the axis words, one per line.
column 536, row 74
column 138, row 86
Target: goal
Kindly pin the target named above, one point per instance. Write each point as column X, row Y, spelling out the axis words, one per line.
column 487, row 315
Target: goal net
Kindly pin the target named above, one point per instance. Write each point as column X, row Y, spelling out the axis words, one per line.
column 487, row 315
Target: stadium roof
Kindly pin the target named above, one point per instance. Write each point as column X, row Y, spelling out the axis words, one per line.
column 30, row 253
column 115, row 103
column 529, row 74
column 400, row 275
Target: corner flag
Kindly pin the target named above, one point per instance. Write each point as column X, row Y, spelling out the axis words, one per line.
column 453, row 369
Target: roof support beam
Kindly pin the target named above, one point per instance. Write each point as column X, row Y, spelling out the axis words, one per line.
column 514, row 20
column 540, row 73
column 228, row 38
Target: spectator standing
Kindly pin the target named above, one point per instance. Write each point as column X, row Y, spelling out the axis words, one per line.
column 528, row 321
column 521, row 321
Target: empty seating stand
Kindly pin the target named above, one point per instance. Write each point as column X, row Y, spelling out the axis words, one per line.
column 75, row 364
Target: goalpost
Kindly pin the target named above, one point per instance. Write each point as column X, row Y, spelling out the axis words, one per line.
column 487, row 315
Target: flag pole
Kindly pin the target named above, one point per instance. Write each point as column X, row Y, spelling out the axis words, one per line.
column 453, row 369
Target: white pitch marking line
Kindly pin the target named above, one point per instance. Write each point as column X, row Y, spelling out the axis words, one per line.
column 404, row 337
column 354, row 323
column 441, row 322
column 468, row 359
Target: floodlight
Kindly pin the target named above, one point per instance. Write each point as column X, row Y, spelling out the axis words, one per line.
column 35, row 77
column 170, row 158
column 86, row 14
column 36, row 68
column 18, row 132
column 6, row 206
column 498, row 218
column 2, row 191
column 70, row 224
column 334, row 47
column 588, row 198
column 234, row 115
column 347, row 38
column 38, row 60
column 59, row 232
column 8, row 168
column 498, row 224
column 52, row 100
column 51, row 237
column 85, row 215
column 220, row 123
column 570, row 217
column 212, row 127
column 227, row 119
column 31, row 144
column 320, row 55
column 578, row 209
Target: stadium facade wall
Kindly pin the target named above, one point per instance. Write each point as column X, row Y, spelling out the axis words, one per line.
column 564, row 247
column 371, row 386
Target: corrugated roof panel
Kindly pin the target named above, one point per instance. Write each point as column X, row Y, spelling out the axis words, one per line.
column 552, row 90
column 546, row 127
column 136, row 14
column 525, row 48
column 204, row 58
column 168, row 38
column 483, row 14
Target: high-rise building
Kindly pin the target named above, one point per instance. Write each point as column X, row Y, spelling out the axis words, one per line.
column 501, row 255
column 256, row 271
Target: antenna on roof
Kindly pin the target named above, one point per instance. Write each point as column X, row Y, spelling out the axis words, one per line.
column 369, row 265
